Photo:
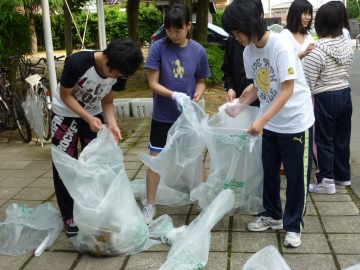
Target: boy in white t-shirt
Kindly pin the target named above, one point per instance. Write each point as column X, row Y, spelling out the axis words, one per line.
column 286, row 124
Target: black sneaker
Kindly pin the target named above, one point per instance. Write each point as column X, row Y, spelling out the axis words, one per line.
column 70, row 228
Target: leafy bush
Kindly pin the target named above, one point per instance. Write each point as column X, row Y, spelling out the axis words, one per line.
column 150, row 19
column 352, row 9
column 216, row 58
column 217, row 17
column 15, row 35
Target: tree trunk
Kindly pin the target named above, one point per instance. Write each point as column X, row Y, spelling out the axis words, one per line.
column 132, row 11
column 201, row 20
column 34, row 48
column 67, row 29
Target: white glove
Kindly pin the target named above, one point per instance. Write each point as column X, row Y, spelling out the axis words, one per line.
column 234, row 102
column 179, row 97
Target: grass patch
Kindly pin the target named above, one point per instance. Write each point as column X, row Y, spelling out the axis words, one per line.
column 136, row 92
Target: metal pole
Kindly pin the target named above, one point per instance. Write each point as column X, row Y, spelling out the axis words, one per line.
column 49, row 45
column 101, row 24
column 269, row 8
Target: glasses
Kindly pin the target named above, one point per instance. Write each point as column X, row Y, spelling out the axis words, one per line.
column 115, row 74
column 235, row 34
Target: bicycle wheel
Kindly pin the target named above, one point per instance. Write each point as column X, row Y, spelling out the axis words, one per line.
column 20, row 118
column 3, row 116
column 46, row 114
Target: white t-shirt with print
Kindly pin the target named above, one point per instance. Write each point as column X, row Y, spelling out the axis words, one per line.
column 89, row 87
column 308, row 39
column 270, row 66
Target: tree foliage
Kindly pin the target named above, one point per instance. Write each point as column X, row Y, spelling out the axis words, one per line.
column 15, row 35
column 217, row 17
column 352, row 8
column 150, row 19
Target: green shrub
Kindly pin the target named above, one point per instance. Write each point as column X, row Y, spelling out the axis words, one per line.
column 217, row 17
column 15, row 35
column 150, row 19
column 352, row 9
column 215, row 57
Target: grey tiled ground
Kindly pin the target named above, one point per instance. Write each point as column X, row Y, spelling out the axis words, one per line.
column 331, row 239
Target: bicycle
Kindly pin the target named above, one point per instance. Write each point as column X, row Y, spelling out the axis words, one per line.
column 40, row 90
column 12, row 114
column 25, row 68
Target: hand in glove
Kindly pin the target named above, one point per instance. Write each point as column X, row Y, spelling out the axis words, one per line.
column 180, row 98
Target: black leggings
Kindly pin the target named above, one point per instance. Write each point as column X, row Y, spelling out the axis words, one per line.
column 65, row 133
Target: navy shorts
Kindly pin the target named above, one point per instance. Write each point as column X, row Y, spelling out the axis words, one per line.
column 158, row 135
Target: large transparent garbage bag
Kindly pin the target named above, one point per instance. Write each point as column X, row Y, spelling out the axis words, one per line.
column 164, row 194
column 354, row 267
column 180, row 162
column 105, row 210
column 191, row 248
column 27, row 229
column 267, row 258
column 232, row 163
column 163, row 227
column 33, row 107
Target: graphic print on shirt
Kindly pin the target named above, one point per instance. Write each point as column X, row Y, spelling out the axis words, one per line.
column 264, row 74
column 67, row 135
column 89, row 93
column 178, row 69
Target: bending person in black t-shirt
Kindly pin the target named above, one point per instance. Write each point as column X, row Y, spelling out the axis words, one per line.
column 84, row 96
column 234, row 79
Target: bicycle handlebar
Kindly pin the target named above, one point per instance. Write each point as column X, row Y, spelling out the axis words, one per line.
column 56, row 58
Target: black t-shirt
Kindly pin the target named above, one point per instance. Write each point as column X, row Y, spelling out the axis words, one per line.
column 89, row 87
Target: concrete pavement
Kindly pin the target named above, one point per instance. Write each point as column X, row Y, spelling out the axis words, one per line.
column 330, row 240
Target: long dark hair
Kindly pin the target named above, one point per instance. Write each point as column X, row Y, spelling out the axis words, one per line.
column 245, row 16
column 176, row 17
column 293, row 20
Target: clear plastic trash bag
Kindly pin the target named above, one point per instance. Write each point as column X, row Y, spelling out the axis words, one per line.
column 163, row 227
column 180, row 162
column 267, row 258
column 105, row 210
column 33, row 107
column 232, row 164
column 354, row 267
column 27, row 229
column 191, row 248
column 164, row 194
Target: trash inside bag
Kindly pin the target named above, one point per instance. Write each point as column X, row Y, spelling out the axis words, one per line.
column 232, row 164
column 163, row 227
column 164, row 194
column 33, row 107
column 109, row 220
column 267, row 258
column 27, row 229
column 191, row 248
column 180, row 164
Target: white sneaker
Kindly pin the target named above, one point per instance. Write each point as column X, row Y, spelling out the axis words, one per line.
column 149, row 212
column 292, row 239
column 326, row 186
column 343, row 183
column 265, row 223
